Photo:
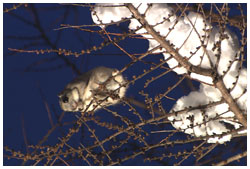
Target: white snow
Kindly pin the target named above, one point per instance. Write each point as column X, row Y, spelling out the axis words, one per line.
column 187, row 34
column 109, row 14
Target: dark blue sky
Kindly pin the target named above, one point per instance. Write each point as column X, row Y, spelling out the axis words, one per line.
column 32, row 81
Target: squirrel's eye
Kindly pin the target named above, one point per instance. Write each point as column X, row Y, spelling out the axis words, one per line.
column 65, row 99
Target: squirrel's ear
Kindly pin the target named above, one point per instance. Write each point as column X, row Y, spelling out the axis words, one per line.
column 59, row 94
column 115, row 72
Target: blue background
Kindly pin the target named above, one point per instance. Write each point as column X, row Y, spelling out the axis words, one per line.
column 32, row 81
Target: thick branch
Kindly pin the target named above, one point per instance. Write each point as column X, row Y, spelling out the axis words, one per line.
column 165, row 44
column 183, row 62
column 231, row 102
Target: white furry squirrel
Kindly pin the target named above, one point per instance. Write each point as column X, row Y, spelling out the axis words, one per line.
column 90, row 91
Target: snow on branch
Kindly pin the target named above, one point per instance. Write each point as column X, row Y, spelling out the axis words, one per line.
column 208, row 53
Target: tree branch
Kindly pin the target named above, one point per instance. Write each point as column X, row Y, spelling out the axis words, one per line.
column 191, row 68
